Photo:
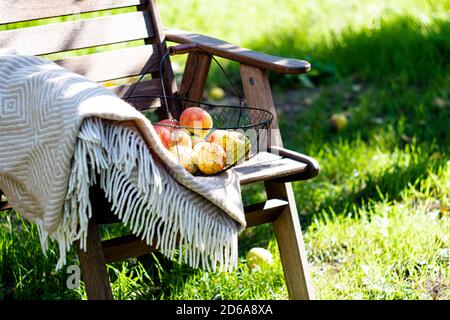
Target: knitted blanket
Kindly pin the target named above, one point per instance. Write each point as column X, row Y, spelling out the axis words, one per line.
column 61, row 133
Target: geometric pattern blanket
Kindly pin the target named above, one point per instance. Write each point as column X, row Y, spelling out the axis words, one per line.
column 61, row 133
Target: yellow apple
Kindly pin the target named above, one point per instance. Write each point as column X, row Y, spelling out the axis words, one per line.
column 216, row 93
column 235, row 144
column 259, row 257
column 210, row 157
column 181, row 138
column 338, row 121
column 186, row 156
column 195, row 140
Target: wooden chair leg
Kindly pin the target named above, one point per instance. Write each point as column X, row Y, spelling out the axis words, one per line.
column 93, row 266
column 290, row 244
column 287, row 226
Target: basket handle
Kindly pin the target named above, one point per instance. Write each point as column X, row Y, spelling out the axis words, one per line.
column 194, row 47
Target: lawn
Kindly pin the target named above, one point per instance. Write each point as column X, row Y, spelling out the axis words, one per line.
column 376, row 220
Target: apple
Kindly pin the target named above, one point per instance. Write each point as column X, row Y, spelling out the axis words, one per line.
column 235, row 144
column 259, row 257
column 181, row 137
column 338, row 122
column 170, row 122
column 216, row 93
column 210, row 157
column 164, row 129
column 196, row 120
column 218, row 136
column 186, row 156
column 196, row 139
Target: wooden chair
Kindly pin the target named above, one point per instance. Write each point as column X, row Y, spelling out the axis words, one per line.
column 276, row 168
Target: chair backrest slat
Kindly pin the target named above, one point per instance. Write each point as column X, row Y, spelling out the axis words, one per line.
column 143, row 88
column 24, row 10
column 114, row 64
column 78, row 34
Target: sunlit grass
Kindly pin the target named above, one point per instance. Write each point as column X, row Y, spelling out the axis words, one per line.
column 376, row 220
column 388, row 250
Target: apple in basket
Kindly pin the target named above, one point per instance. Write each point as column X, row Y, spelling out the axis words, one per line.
column 186, row 156
column 170, row 135
column 197, row 121
column 210, row 157
column 196, row 139
column 164, row 129
column 181, row 138
column 235, row 144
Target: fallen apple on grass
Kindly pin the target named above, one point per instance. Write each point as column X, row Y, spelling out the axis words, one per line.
column 216, row 93
column 338, row 122
column 259, row 257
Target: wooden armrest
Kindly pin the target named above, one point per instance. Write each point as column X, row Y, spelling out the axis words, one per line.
column 229, row 51
column 313, row 167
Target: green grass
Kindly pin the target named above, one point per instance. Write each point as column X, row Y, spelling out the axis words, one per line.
column 376, row 220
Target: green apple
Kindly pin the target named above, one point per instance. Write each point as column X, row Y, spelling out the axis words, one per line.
column 338, row 121
column 259, row 257
column 216, row 93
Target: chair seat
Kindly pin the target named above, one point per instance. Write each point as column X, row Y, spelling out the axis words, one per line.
column 277, row 164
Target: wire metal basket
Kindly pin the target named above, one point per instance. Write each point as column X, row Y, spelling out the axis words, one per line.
column 237, row 132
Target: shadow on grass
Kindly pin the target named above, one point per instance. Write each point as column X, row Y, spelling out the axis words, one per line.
column 405, row 65
column 403, row 62
column 403, row 70
column 401, row 51
column 389, row 185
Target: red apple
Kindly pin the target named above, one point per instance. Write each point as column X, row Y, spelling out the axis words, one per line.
column 196, row 120
column 165, row 129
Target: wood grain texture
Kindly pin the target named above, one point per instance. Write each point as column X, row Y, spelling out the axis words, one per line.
column 290, row 244
column 264, row 212
column 160, row 36
column 93, row 267
column 287, row 225
column 312, row 166
column 78, row 34
column 21, row 10
column 265, row 166
column 144, row 89
column 229, row 51
column 114, row 64
column 194, row 76
column 169, row 82
column 125, row 247
column 258, row 94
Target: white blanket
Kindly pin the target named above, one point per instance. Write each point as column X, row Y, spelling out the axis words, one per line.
column 61, row 133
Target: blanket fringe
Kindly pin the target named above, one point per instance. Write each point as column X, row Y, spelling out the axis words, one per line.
column 144, row 197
